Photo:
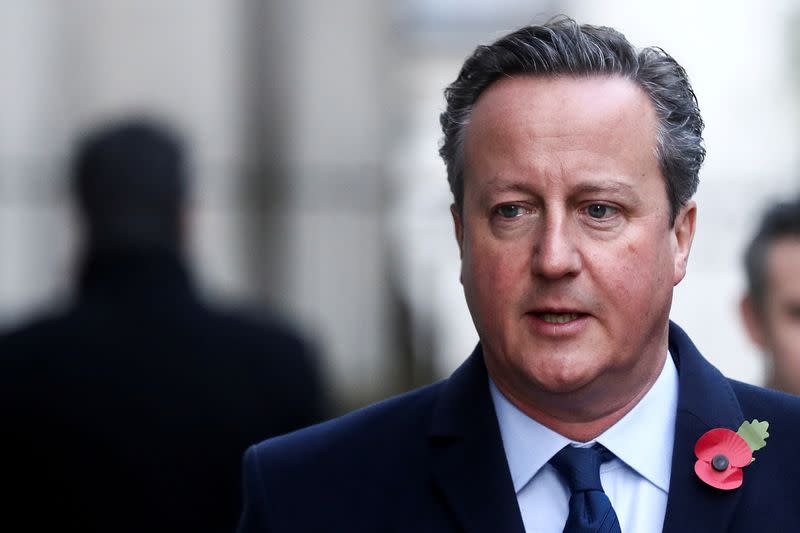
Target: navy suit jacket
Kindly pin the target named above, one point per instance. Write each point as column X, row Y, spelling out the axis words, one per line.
column 433, row 460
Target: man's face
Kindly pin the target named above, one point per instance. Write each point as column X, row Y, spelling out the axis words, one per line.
column 568, row 256
column 779, row 321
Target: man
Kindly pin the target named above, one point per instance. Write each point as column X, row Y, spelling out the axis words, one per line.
column 130, row 410
column 771, row 307
column 572, row 159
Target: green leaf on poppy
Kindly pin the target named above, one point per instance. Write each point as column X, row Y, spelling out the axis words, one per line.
column 754, row 433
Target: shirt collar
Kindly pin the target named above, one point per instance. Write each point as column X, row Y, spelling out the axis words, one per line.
column 642, row 439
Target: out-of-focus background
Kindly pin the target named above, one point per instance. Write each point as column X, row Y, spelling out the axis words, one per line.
column 314, row 131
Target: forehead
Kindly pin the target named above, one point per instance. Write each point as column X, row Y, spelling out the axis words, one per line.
column 604, row 99
column 577, row 125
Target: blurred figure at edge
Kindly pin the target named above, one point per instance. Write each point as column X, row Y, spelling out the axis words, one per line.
column 130, row 411
column 771, row 307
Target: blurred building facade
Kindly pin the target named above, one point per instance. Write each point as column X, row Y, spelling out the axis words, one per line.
column 314, row 127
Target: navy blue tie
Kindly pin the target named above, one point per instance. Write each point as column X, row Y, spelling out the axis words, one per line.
column 590, row 509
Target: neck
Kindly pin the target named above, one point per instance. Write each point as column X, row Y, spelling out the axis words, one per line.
column 583, row 415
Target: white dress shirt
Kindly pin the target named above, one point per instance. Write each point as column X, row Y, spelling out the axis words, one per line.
column 636, row 481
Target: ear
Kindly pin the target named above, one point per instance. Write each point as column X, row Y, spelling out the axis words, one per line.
column 683, row 235
column 458, row 224
column 752, row 323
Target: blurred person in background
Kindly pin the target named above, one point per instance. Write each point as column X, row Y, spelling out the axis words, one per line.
column 130, row 411
column 573, row 158
column 771, row 306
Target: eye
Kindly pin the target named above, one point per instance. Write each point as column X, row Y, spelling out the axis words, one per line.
column 600, row 211
column 510, row 211
column 793, row 310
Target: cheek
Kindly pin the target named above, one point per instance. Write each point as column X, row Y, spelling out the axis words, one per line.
column 638, row 274
column 488, row 286
column 787, row 335
column 494, row 264
column 494, row 275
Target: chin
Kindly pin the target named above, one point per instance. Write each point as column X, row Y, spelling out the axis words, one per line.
column 569, row 376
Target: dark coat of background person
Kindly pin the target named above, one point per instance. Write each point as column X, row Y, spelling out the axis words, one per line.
column 130, row 410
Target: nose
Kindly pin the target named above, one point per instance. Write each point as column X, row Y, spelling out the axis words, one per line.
column 556, row 253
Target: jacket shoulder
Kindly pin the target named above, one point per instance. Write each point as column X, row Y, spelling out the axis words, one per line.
column 352, row 468
column 765, row 404
column 772, row 482
column 782, row 412
column 373, row 430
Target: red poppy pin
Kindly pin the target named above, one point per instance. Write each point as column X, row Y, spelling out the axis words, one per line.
column 722, row 453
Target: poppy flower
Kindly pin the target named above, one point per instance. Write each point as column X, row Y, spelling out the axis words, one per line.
column 721, row 454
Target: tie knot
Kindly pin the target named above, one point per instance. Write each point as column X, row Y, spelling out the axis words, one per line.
column 580, row 467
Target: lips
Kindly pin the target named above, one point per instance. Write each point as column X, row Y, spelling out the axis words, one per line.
column 557, row 323
column 557, row 316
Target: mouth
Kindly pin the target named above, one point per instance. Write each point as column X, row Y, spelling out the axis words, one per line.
column 556, row 315
column 561, row 319
column 558, row 322
column 558, row 318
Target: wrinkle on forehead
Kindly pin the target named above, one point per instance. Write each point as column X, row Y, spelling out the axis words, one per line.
column 542, row 126
column 515, row 104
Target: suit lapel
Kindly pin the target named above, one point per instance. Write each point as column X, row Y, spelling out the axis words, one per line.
column 470, row 467
column 469, row 463
column 705, row 401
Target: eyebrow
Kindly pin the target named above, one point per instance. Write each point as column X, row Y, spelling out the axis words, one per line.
column 499, row 186
column 496, row 186
column 606, row 187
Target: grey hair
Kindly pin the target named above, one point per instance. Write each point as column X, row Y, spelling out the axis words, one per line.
column 563, row 47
